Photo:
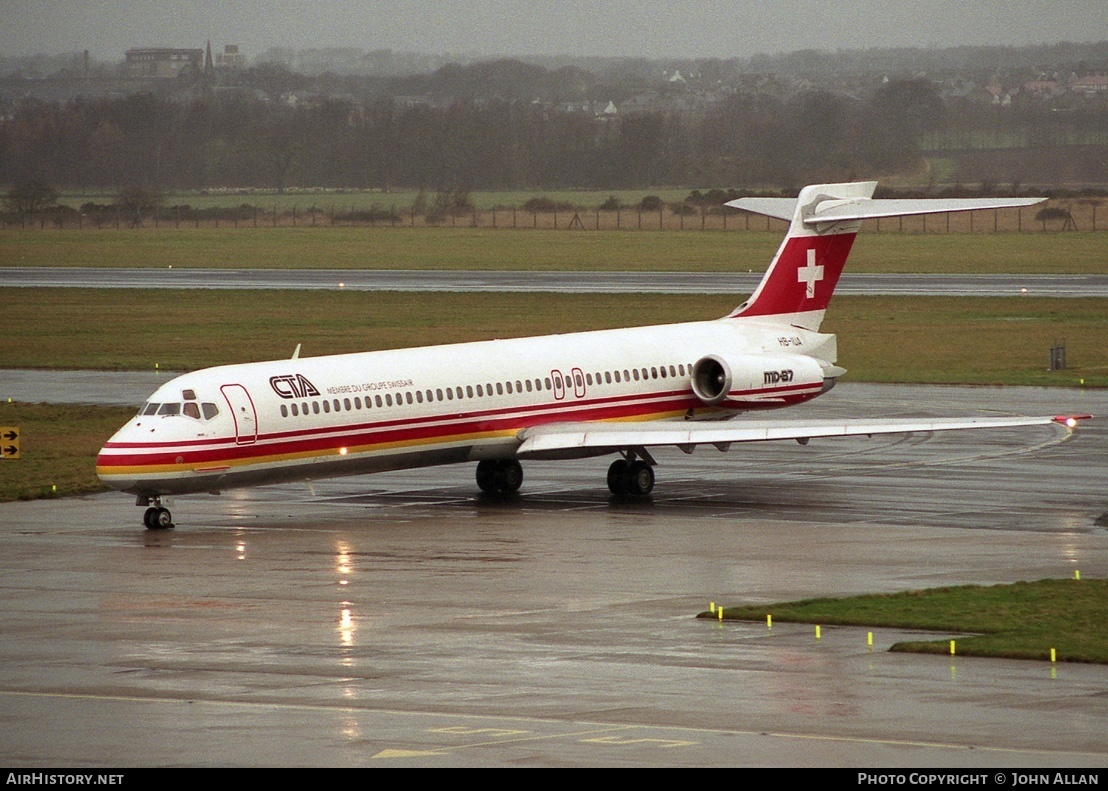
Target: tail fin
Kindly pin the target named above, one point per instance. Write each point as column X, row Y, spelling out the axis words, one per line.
column 824, row 219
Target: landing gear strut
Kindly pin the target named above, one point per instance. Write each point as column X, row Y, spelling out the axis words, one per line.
column 630, row 477
column 156, row 517
column 499, row 476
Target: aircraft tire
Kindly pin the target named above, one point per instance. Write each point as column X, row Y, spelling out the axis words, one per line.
column 617, row 477
column 157, row 518
column 486, row 476
column 640, row 479
column 511, row 476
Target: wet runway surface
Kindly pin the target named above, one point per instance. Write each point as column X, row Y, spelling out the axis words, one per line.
column 529, row 281
column 404, row 620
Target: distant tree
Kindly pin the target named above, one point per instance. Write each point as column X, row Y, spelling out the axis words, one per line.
column 136, row 201
column 651, row 203
column 28, row 197
column 611, row 204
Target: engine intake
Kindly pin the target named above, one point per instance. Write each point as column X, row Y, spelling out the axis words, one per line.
column 711, row 379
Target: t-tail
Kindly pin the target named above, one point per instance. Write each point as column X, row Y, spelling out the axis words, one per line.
column 823, row 221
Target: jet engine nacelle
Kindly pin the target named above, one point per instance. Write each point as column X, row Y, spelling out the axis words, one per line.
column 753, row 377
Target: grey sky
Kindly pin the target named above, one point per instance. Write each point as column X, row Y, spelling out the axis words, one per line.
column 648, row 28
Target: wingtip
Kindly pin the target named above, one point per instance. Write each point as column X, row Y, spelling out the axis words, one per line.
column 1071, row 420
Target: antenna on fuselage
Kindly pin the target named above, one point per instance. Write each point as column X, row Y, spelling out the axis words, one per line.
column 296, row 352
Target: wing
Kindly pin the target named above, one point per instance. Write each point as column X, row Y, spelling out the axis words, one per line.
column 560, row 440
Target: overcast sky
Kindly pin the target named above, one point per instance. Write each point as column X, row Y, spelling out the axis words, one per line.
column 647, row 28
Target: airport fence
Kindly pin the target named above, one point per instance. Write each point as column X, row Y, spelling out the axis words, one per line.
column 1056, row 215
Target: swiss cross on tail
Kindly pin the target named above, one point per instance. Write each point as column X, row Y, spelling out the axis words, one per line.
column 809, row 274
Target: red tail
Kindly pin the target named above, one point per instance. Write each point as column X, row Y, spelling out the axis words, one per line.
column 801, row 278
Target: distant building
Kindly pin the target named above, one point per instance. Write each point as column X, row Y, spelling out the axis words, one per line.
column 162, row 63
column 230, row 58
column 1093, row 85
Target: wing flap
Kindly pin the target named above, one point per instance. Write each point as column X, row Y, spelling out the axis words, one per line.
column 555, row 438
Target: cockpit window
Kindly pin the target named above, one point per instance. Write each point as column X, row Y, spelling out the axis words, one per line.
column 149, row 408
column 210, row 410
column 170, row 409
column 188, row 395
column 192, row 409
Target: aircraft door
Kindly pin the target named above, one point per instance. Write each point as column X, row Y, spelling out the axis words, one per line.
column 578, row 382
column 559, row 385
column 242, row 410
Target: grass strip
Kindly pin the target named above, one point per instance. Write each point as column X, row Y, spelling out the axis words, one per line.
column 1023, row 620
column 539, row 250
column 951, row 340
column 58, row 446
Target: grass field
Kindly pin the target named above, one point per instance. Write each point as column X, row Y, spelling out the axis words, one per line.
column 58, row 448
column 881, row 339
column 491, row 249
column 1020, row 621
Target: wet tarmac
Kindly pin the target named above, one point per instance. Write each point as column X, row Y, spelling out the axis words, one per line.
column 404, row 620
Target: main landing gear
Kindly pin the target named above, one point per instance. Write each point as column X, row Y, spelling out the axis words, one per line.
column 630, row 477
column 499, row 476
column 157, row 516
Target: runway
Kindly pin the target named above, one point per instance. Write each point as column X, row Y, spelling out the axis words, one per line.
column 559, row 282
column 403, row 620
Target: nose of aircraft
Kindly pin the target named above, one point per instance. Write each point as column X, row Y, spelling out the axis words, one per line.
column 108, row 462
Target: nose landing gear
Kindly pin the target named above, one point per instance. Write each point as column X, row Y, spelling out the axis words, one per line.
column 157, row 516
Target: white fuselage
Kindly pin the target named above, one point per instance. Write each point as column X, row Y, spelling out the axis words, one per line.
column 315, row 417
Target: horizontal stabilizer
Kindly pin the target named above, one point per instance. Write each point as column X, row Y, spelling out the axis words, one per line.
column 835, row 210
column 558, row 438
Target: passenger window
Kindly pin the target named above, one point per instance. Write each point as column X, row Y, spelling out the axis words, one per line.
column 636, row 373
column 315, row 407
column 607, row 377
column 438, row 394
column 419, row 396
column 508, row 385
column 408, row 397
column 295, row 411
column 388, row 399
column 480, row 391
column 377, row 400
column 284, row 411
column 528, row 383
column 327, row 406
column 357, row 402
column 192, row 409
column 469, row 391
column 346, row 404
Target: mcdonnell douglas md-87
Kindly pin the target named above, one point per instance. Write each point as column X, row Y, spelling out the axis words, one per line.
column 497, row 402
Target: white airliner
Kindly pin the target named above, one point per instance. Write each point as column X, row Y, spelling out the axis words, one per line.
column 566, row 396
